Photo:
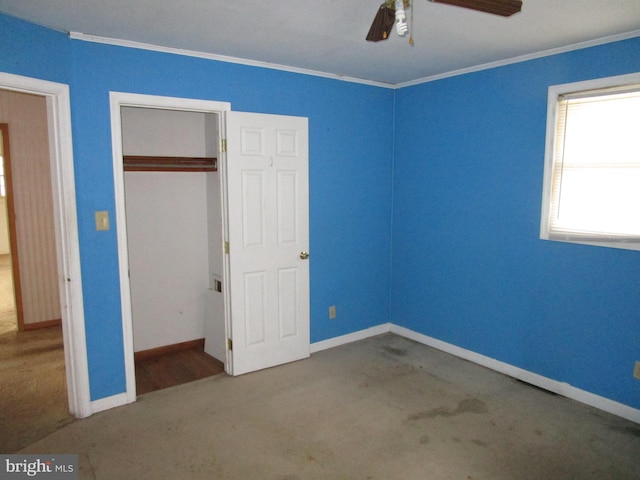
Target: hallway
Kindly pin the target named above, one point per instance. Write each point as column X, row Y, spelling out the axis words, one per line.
column 33, row 396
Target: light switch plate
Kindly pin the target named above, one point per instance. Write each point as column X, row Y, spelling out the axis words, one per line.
column 102, row 220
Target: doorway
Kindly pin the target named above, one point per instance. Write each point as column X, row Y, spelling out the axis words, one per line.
column 262, row 191
column 174, row 239
column 8, row 319
column 32, row 370
column 141, row 109
column 29, row 209
column 66, row 263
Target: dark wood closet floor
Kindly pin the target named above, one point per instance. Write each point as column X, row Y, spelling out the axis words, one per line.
column 175, row 368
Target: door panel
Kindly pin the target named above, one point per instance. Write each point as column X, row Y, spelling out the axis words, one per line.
column 287, row 215
column 253, row 197
column 255, row 307
column 288, row 301
column 268, row 210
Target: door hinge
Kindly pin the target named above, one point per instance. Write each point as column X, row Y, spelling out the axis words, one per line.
column 226, row 247
column 229, row 344
column 223, row 145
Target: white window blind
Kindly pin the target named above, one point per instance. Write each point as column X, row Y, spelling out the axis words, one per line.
column 595, row 181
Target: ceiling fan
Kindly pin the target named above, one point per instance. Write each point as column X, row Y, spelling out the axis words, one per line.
column 394, row 12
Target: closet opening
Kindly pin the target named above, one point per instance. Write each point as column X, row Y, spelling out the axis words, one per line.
column 173, row 205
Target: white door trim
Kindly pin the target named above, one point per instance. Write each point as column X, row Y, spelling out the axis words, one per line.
column 117, row 101
column 66, row 230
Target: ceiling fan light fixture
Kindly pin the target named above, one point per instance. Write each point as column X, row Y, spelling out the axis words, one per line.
column 401, row 19
column 395, row 11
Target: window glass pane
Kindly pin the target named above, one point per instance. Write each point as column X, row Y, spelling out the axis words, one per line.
column 600, row 200
column 595, row 180
column 603, row 131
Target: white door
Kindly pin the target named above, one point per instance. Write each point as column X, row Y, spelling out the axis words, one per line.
column 268, row 234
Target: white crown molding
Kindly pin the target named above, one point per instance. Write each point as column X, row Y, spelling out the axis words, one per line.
column 222, row 58
column 523, row 58
column 316, row 73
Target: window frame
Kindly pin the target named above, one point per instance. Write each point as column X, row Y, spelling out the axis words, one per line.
column 554, row 94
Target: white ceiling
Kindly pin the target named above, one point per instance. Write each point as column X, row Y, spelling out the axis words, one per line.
column 329, row 35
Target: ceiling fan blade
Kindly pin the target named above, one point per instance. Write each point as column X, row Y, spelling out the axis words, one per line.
column 505, row 8
column 382, row 24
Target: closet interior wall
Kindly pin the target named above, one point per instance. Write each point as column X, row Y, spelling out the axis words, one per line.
column 174, row 230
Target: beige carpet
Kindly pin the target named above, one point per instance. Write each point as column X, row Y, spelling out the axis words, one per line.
column 33, row 396
column 385, row 408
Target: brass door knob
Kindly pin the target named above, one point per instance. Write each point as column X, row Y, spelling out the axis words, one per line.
column 304, row 255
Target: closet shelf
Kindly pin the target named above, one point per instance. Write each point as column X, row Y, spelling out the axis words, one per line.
column 142, row 163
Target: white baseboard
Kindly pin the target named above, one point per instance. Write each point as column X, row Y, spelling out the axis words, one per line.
column 554, row 386
column 123, row 399
column 109, row 402
column 350, row 337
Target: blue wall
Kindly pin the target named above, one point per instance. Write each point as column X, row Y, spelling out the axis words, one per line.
column 462, row 188
column 468, row 267
column 32, row 51
column 351, row 147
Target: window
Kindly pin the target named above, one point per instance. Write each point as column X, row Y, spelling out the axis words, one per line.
column 592, row 164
